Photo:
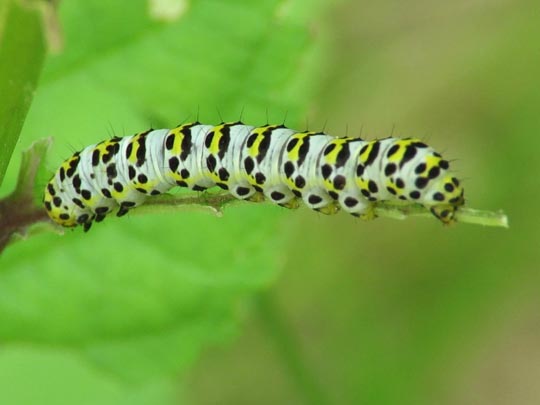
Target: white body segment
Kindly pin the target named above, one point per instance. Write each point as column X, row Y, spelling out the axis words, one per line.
column 271, row 162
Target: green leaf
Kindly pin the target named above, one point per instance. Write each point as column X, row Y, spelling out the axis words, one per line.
column 141, row 296
column 22, row 51
column 60, row 378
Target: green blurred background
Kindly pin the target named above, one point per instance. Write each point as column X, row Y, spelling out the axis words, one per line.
column 269, row 306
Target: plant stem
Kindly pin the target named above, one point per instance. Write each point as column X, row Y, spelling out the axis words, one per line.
column 289, row 349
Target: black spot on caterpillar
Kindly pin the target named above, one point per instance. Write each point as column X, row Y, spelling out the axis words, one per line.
column 274, row 162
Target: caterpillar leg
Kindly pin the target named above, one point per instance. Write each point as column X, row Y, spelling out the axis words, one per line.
column 257, row 197
column 357, row 205
column 86, row 221
column 445, row 213
column 319, row 200
column 368, row 213
column 124, row 208
column 329, row 209
column 291, row 204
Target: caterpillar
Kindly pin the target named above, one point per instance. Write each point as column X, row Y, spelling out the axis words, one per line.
column 270, row 162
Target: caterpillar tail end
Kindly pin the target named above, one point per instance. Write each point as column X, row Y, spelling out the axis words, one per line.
column 445, row 213
column 452, row 197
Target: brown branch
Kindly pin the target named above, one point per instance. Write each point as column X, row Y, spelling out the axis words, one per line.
column 18, row 211
column 16, row 216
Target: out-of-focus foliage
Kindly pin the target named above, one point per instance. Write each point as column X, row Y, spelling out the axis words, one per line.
column 407, row 312
column 22, row 50
column 383, row 312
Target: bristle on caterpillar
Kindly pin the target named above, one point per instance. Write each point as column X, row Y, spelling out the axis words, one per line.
column 271, row 162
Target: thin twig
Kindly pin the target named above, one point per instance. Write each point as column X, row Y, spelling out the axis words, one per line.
column 395, row 210
column 19, row 211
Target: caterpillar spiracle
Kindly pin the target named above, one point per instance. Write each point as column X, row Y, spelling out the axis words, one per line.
column 270, row 162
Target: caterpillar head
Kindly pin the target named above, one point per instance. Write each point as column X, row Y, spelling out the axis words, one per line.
column 57, row 209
